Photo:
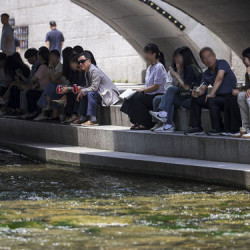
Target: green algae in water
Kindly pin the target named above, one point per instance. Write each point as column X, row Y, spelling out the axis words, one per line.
column 54, row 207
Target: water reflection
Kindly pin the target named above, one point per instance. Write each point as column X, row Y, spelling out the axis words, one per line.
column 58, row 207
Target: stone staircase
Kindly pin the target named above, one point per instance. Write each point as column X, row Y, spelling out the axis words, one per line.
column 204, row 158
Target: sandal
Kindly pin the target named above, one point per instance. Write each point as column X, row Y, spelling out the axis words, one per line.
column 140, row 127
column 134, row 126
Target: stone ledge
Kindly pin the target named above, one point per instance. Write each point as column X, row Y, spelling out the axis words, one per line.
column 113, row 116
column 121, row 139
column 208, row 171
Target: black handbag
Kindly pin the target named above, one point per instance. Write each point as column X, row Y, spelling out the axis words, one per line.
column 184, row 93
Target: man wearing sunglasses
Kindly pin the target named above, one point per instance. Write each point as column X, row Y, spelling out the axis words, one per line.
column 99, row 89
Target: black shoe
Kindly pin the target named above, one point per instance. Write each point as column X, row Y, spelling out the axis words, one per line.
column 214, row 132
column 194, row 131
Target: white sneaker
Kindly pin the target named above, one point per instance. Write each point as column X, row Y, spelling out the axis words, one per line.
column 156, row 126
column 166, row 128
column 41, row 117
column 160, row 116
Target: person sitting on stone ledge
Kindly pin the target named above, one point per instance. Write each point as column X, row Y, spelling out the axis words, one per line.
column 5, row 81
column 19, row 72
column 244, row 97
column 31, row 56
column 38, row 83
column 78, row 50
column 77, row 77
column 99, row 89
column 223, row 80
column 188, row 74
column 49, row 109
column 171, row 81
column 139, row 105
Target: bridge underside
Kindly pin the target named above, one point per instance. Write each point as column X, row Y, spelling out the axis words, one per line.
column 228, row 19
column 139, row 24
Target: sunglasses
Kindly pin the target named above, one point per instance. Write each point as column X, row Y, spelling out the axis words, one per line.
column 82, row 61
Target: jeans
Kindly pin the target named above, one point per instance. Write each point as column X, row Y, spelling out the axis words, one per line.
column 171, row 99
column 88, row 104
column 49, row 90
column 244, row 104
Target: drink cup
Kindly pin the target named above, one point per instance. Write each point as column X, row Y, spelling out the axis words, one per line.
column 239, row 86
column 75, row 89
column 243, row 131
column 59, row 89
column 196, row 92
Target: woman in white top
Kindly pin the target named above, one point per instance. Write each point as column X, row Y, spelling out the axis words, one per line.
column 138, row 107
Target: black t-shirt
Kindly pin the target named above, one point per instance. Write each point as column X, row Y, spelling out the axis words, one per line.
column 78, row 78
column 191, row 77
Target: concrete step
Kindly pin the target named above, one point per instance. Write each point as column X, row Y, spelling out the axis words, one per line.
column 113, row 116
column 208, row 171
column 121, row 139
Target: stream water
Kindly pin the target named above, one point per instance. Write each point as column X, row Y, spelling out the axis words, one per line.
column 45, row 206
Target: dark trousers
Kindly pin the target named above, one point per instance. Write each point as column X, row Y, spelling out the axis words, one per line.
column 33, row 96
column 2, row 91
column 88, row 104
column 195, row 112
column 215, row 106
column 72, row 105
column 14, row 100
column 138, row 107
column 225, row 103
column 232, row 118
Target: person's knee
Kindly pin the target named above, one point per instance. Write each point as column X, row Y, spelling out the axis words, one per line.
column 241, row 97
column 92, row 97
column 139, row 97
column 172, row 90
column 211, row 102
column 157, row 100
column 91, row 94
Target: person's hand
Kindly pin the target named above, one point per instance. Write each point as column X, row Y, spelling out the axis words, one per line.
column 173, row 73
column 195, row 94
column 65, row 90
column 79, row 96
column 235, row 92
column 248, row 93
column 50, row 66
column 139, row 90
column 210, row 96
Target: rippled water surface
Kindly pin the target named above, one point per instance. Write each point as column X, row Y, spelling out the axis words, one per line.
column 45, row 206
